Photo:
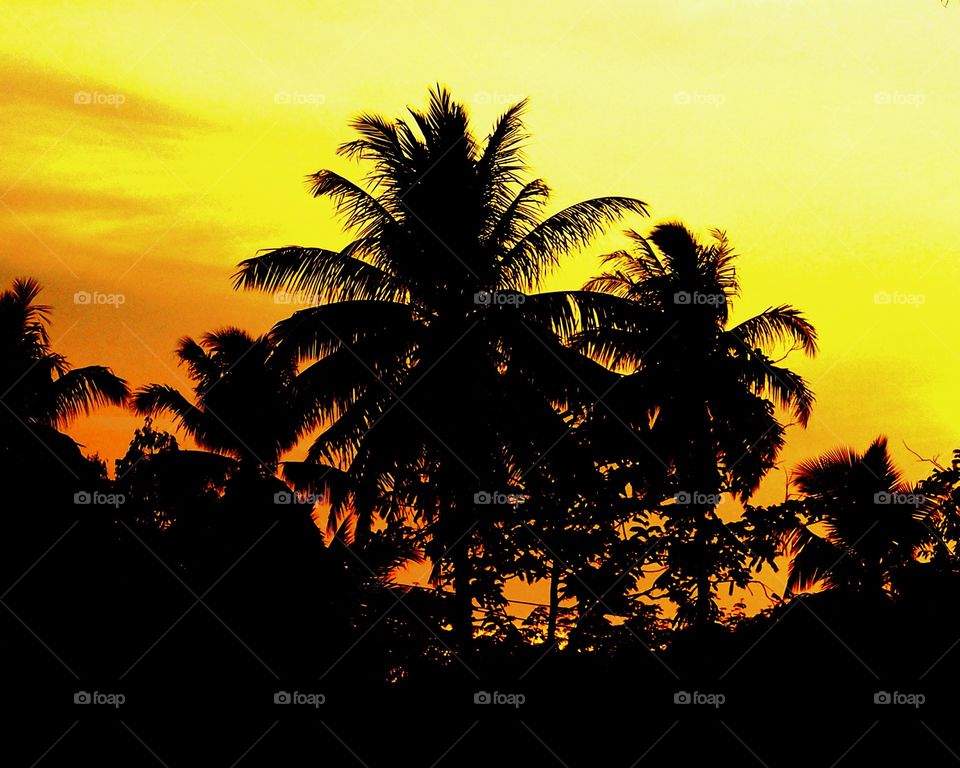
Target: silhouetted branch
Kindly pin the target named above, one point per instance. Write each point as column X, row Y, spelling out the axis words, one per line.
column 933, row 460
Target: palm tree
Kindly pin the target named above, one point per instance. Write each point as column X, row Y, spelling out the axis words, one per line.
column 40, row 393
column 41, row 467
column 443, row 374
column 38, row 387
column 702, row 395
column 860, row 521
column 247, row 405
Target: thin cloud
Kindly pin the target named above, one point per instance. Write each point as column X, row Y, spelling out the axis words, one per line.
column 28, row 91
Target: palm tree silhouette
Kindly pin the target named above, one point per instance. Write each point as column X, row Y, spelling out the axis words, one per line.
column 702, row 394
column 860, row 521
column 40, row 394
column 439, row 367
column 248, row 403
column 43, row 471
column 38, row 387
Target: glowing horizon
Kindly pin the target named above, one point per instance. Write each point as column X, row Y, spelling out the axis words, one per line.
column 149, row 150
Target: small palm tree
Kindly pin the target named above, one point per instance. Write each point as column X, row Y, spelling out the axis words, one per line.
column 38, row 387
column 702, row 394
column 247, row 401
column 441, row 365
column 860, row 521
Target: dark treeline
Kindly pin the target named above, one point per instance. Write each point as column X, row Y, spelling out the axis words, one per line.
column 456, row 415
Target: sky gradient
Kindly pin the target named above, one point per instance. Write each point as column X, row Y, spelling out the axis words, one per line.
column 148, row 150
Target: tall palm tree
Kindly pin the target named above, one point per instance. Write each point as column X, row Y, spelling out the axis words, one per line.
column 41, row 467
column 860, row 523
column 38, row 387
column 443, row 373
column 702, row 394
column 247, row 402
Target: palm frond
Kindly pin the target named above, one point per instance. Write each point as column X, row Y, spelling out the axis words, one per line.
column 518, row 216
column 776, row 325
column 359, row 209
column 786, row 388
column 531, row 258
column 319, row 274
column 159, row 398
column 501, row 163
column 80, row 390
column 814, row 558
column 321, row 331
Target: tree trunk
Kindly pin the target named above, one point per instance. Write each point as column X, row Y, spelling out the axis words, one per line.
column 554, row 602
column 463, row 597
column 704, row 600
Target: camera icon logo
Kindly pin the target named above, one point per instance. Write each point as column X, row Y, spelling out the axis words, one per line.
column 281, row 697
column 881, row 697
column 82, row 497
column 283, row 497
column 482, row 697
column 682, row 297
column 82, row 97
column 482, row 298
column 681, row 697
column 82, row 297
column 683, row 498
column 882, row 498
column 482, row 497
column 81, row 697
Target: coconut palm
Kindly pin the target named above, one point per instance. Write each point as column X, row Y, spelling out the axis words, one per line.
column 41, row 467
column 860, row 522
column 38, row 387
column 701, row 393
column 246, row 402
column 440, row 371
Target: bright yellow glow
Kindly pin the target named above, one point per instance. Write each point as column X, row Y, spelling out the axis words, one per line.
column 821, row 135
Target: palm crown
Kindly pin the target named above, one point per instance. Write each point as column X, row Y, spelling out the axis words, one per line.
column 862, row 520
column 248, row 403
column 38, row 387
column 424, row 322
column 706, row 388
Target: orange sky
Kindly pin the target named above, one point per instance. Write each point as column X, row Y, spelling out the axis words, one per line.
column 820, row 135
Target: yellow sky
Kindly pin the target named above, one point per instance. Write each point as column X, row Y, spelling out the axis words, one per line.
column 821, row 135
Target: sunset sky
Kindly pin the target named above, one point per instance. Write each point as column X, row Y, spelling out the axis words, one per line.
column 148, row 148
